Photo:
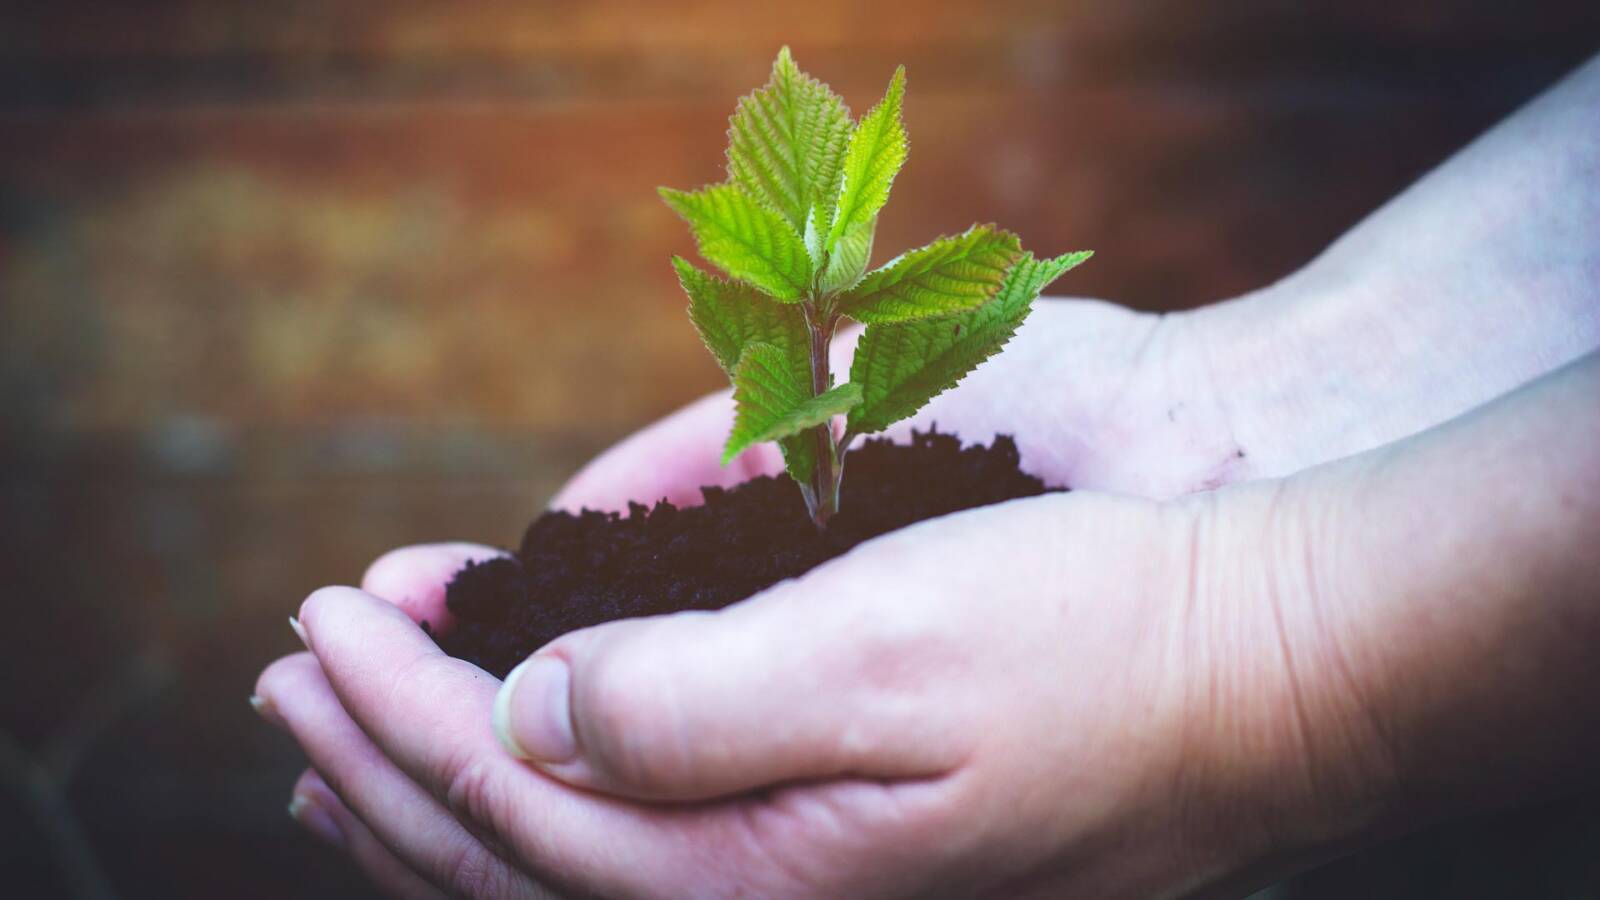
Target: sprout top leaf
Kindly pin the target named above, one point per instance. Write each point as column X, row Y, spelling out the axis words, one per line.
column 876, row 153
column 745, row 239
column 786, row 142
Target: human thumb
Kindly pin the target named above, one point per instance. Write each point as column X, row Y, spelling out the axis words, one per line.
column 784, row 686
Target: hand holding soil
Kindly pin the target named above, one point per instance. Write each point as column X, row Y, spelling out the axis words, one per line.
column 1146, row 698
column 1382, row 615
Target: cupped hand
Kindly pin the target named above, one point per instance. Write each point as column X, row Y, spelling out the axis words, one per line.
column 1019, row 700
column 1108, row 398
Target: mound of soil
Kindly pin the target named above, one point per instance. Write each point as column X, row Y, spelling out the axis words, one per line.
column 574, row 571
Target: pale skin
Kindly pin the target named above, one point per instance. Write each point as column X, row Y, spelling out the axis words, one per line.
column 1329, row 574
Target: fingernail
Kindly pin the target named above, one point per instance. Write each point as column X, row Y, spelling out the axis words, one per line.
column 532, row 712
column 300, row 631
column 313, row 818
column 264, row 708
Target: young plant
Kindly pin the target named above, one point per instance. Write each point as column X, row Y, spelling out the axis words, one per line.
column 792, row 227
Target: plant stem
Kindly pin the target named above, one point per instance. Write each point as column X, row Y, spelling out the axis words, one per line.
column 824, row 498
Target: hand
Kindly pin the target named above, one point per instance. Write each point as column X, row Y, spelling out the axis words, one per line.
column 1149, row 699
column 868, row 729
column 675, row 457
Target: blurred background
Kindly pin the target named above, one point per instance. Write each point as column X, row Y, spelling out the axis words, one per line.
column 283, row 285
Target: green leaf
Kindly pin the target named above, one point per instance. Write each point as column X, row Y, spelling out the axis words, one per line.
column 901, row 367
column 950, row 275
column 745, row 239
column 849, row 258
column 732, row 315
column 799, row 457
column 772, row 403
column 812, row 237
column 786, row 141
column 877, row 151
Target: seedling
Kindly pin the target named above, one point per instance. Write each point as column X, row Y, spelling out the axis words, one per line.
column 792, row 227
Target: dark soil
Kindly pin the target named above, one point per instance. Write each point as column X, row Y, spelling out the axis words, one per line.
column 574, row 571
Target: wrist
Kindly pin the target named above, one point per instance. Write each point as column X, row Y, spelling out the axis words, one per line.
column 1290, row 759
column 1293, row 368
column 1455, row 591
column 1343, row 357
column 1402, row 637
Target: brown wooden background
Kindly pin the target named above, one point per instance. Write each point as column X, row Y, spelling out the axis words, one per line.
column 285, row 284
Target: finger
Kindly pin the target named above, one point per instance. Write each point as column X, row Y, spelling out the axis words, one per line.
column 321, row 812
column 671, row 459
column 820, row 677
column 414, row 578
column 429, row 715
column 406, row 818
